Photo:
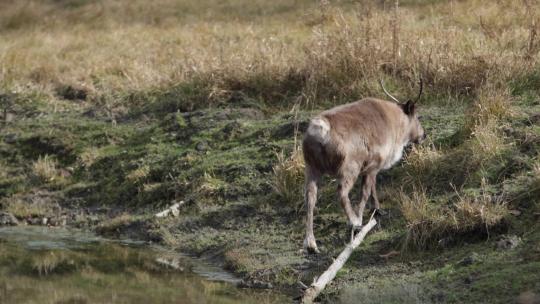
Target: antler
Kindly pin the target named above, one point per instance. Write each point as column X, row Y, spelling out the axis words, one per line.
column 385, row 91
column 395, row 99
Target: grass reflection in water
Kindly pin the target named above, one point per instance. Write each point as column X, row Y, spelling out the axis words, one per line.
column 106, row 272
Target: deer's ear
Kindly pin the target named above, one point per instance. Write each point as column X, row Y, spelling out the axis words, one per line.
column 409, row 108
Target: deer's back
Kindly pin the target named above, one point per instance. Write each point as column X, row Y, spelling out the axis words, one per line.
column 364, row 132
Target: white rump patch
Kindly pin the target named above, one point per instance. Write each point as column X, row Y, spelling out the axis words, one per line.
column 319, row 129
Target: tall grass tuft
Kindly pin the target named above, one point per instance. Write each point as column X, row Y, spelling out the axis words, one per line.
column 51, row 262
column 493, row 104
column 139, row 174
column 288, row 178
column 23, row 209
column 482, row 146
column 430, row 223
column 45, row 169
column 421, row 162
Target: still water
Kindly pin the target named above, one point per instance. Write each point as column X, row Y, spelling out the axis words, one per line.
column 54, row 265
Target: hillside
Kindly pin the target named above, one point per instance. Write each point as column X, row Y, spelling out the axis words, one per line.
column 112, row 111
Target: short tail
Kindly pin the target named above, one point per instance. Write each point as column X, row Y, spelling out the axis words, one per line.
column 319, row 152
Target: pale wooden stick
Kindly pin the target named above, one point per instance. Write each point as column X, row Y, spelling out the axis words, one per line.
column 315, row 289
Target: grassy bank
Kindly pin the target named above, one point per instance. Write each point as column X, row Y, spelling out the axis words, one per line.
column 113, row 112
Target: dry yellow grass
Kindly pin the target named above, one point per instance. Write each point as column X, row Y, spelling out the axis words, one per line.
column 139, row 174
column 420, row 160
column 429, row 223
column 494, row 102
column 315, row 52
column 288, row 178
column 210, row 185
column 115, row 224
column 23, row 209
column 482, row 142
column 50, row 261
column 89, row 156
column 45, row 169
column 486, row 141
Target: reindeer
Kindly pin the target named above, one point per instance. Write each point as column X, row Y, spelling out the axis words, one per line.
column 356, row 139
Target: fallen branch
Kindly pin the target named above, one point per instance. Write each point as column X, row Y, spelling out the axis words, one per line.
column 315, row 289
column 172, row 210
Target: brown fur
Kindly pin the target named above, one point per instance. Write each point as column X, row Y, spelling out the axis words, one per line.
column 360, row 138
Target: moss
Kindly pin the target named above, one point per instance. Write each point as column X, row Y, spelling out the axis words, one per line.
column 499, row 276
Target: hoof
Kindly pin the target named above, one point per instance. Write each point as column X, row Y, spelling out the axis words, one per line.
column 381, row 212
column 311, row 246
column 357, row 228
column 356, row 222
column 311, row 250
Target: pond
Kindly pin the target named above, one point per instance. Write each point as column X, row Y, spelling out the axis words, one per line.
column 57, row 265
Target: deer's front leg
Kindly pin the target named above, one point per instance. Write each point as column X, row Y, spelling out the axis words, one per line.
column 380, row 211
column 368, row 185
column 345, row 185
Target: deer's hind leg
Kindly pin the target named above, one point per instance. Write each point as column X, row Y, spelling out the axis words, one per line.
column 312, row 177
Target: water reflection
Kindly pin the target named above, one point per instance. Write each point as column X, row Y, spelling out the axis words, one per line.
column 43, row 265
